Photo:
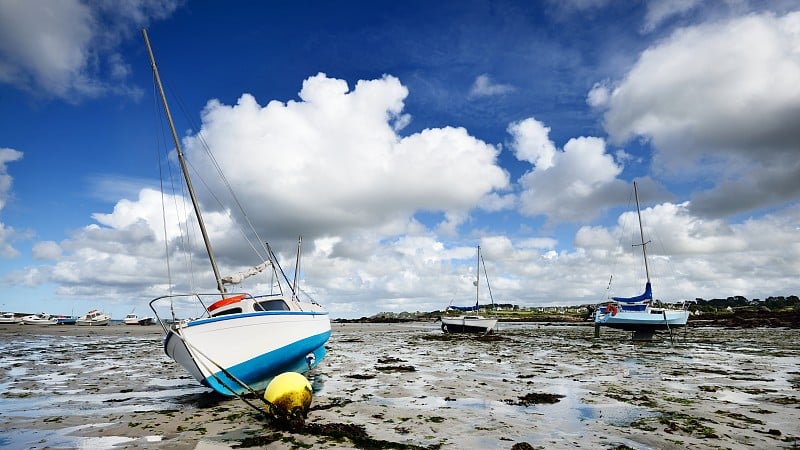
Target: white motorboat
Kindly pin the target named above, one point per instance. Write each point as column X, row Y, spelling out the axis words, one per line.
column 134, row 319
column 241, row 342
column 9, row 317
column 40, row 319
column 93, row 318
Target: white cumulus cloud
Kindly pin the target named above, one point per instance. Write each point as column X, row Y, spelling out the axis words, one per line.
column 720, row 101
column 571, row 184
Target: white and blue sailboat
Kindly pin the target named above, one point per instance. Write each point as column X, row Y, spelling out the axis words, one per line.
column 471, row 323
column 241, row 341
column 638, row 314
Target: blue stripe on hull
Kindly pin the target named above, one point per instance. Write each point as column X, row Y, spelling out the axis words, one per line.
column 259, row 371
column 642, row 321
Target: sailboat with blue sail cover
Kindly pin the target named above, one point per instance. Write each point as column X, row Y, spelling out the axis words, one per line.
column 638, row 314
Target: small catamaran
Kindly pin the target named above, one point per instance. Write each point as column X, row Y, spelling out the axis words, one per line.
column 471, row 323
column 638, row 314
column 241, row 341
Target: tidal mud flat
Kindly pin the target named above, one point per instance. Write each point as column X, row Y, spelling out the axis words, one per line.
column 411, row 386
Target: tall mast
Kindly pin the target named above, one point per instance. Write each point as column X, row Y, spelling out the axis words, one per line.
column 641, row 232
column 478, row 281
column 184, row 169
column 296, row 268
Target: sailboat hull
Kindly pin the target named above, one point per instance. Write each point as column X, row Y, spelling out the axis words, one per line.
column 647, row 320
column 468, row 325
column 250, row 348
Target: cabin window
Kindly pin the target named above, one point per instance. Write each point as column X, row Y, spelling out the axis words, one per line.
column 228, row 311
column 273, row 305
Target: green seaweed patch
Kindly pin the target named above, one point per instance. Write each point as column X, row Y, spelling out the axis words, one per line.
column 628, row 397
column 357, row 434
column 117, row 400
column 644, row 424
column 334, row 403
column 678, row 400
column 490, row 338
column 437, row 337
column 751, row 378
column 398, row 368
column 535, row 398
column 677, row 422
column 739, row 416
column 390, row 360
column 522, row 446
column 785, row 400
column 18, row 395
column 775, row 433
column 360, row 376
column 259, row 441
column 712, row 371
column 756, row 391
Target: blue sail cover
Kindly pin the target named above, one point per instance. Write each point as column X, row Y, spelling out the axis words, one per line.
column 464, row 308
column 647, row 295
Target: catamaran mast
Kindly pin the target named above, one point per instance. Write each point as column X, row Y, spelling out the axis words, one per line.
column 184, row 169
column 641, row 232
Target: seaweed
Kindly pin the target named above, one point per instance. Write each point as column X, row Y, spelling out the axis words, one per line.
column 740, row 417
column 535, row 398
column 398, row 368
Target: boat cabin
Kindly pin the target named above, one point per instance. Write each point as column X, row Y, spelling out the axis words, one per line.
column 242, row 303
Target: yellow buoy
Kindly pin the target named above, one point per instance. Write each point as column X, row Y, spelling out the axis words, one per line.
column 289, row 396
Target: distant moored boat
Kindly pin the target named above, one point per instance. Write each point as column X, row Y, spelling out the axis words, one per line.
column 470, row 323
column 39, row 319
column 94, row 318
column 9, row 317
column 134, row 319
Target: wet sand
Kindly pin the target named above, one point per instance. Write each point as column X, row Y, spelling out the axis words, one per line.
column 411, row 386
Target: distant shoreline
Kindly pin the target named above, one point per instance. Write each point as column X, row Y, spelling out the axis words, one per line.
column 78, row 330
column 738, row 319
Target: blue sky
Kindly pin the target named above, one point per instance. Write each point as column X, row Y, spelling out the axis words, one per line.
column 396, row 137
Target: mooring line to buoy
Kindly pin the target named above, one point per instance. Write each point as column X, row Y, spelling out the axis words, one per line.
column 241, row 397
column 666, row 322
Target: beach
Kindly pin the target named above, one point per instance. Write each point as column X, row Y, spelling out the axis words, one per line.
column 411, row 386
